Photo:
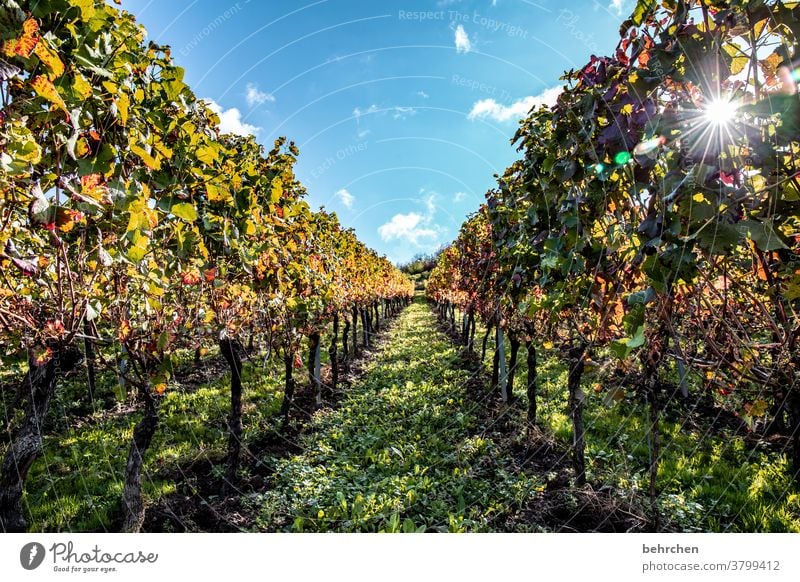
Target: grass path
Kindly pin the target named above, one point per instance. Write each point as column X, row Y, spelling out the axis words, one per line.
column 399, row 453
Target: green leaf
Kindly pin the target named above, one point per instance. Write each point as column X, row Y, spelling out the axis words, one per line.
column 642, row 297
column 623, row 348
column 719, row 238
column 185, row 211
column 139, row 246
column 638, row 339
column 763, row 234
column 163, row 341
column 93, row 311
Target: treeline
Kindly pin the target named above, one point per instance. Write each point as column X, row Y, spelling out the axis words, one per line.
column 131, row 230
column 421, row 263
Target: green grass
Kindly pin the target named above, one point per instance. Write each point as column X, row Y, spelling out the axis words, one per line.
column 401, row 451
column 399, row 454
column 77, row 484
column 709, row 479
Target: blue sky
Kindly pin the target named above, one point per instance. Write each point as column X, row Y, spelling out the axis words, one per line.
column 402, row 109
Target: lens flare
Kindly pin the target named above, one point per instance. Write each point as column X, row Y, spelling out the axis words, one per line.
column 647, row 146
column 622, row 158
column 720, row 112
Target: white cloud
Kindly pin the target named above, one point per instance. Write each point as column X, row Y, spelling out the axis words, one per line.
column 346, row 198
column 517, row 110
column 396, row 112
column 422, row 94
column 358, row 112
column 463, row 44
column 409, row 227
column 254, row 96
column 430, row 204
column 459, row 197
column 617, row 6
column 230, row 120
column 364, row 133
column 403, row 112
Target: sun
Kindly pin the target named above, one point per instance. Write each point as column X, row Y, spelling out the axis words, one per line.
column 720, row 112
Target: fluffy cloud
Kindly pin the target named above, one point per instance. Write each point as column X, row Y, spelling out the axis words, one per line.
column 230, row 120
column 254, row 96
column 459, row 197
column 517, row 110
column 346, row 198
column 617, row 6
column 409, row 227
column 463, row 44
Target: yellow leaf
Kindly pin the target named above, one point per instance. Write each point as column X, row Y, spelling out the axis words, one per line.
column 50, row 59
column 149, row 161
column 277, row 190
column 45, row 88
column 547, row 345
column 142, row 217
column 699, row 197
column 81, row 148
column 218, row 194
column 207, row 154
column 123, row 106
column 758, row 408
column 81, row 87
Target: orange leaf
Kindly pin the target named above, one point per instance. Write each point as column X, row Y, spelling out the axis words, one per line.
column 25, row 44
column 54, row 328
column 124, row 331
column 190, row 277
column 298, row 362
column 160, row 388
column 91, row 181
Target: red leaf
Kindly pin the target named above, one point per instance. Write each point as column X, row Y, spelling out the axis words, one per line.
column 190, row 277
